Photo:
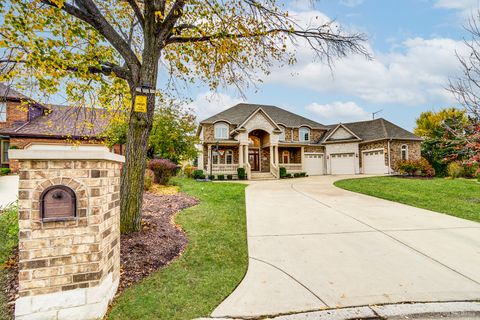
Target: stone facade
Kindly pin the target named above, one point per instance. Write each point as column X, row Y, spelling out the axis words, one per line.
column 68, row 268
column 414, row 150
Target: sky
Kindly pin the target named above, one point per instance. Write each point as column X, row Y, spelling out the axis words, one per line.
column 413, row 44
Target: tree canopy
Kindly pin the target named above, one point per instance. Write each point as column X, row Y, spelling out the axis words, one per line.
column 103, row 52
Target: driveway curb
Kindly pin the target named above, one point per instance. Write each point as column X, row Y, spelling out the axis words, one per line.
column 388, row 311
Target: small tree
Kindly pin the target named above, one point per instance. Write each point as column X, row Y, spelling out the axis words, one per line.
column 442, row 144
column 467, row 91
column 173, row 133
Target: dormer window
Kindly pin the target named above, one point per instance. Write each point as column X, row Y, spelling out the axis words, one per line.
column 281, row 136
column 3, row 111
column 304, row 134
column 221, row 130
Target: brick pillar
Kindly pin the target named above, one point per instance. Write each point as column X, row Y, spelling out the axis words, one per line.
column 69, row 268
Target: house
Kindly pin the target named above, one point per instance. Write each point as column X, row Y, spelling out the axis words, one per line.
column 263, row 138
column 24, row 121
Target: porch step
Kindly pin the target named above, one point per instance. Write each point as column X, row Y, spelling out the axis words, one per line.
column 262, row 176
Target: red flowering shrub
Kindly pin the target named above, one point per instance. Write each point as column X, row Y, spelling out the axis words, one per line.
column 415, row 168
column 163, row 170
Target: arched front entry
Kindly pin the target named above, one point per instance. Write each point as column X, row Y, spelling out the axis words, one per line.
column 259, row 150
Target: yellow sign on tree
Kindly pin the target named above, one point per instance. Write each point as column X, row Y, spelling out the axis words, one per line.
column 140, row 103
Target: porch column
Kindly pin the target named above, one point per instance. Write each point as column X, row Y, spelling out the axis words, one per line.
column 275, row 151
column 271, row 154
column 240, row 156
column 209, row 159
column 245, row 154
column 302, row 157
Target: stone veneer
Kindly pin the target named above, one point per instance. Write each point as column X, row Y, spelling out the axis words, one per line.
column 68, row 269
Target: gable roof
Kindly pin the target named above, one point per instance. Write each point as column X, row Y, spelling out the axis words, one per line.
column 329, row 134
column 240, row 112
column 378, row 129
column 8, row 93
column 63, row 121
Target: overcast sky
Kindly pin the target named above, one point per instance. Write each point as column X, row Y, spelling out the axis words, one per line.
column 413, row 43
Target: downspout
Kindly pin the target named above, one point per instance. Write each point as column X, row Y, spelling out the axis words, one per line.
column 389, row 159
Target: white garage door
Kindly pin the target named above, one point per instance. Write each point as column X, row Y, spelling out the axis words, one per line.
column 342, row 163
column 373, row 162
column 313, row 164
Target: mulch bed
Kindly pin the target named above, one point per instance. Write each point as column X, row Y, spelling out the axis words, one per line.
column 159, row 241
column 141, row 253
column 10, row 281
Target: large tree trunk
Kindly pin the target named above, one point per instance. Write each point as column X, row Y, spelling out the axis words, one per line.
column 140, row 125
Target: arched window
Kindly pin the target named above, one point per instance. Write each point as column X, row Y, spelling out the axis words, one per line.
column 404, row 152
column 286, row 156
column 228, row 157
column 221, row 130
column 304, row 134
column 281, row 136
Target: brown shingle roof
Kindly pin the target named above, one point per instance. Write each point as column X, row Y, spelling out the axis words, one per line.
column 8, row 93
column 378, row 129
column 63, row 121
column 240, row 112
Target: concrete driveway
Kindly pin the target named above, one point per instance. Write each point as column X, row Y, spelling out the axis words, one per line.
column 8, row 190
column 313, row 246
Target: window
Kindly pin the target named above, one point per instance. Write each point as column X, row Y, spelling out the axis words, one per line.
column 228, row 157
column 4, row 146
column 221, row 130
column 3, row 111
column 281, row 136
column 286, row 156
column 304, row 134
column 215, row 158
column 404, row 152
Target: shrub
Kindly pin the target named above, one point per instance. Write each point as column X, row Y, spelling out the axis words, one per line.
column 283, row 172
column 197, row 174
column 471, row 170
column 188, row 171
column 8, row 231
column 303, row 174
column 211, row 177
column 289, row 175
column 296, row 174
column 221, row 177
column 163, row 169
column 241, row 173
column 455, row 169
column 4, row 171
column 415, row 168
column 148, row 179
column 229, row 177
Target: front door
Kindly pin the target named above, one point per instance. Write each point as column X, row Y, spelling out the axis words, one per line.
column 254, row 159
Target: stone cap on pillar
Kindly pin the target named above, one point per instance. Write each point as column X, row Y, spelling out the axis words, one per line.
column 64, row 152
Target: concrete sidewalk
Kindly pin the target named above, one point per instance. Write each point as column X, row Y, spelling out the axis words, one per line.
column 8, row 190
column 313, row 246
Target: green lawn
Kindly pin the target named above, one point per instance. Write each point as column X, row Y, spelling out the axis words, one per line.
column 459, row 197
column 8, row 241
column 214, row 262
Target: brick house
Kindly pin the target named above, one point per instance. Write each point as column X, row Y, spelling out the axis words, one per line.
column 263, row 138
column 24, row 121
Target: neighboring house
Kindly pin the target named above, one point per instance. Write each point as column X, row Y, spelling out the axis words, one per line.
column 23, row 121
column 263, row 138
